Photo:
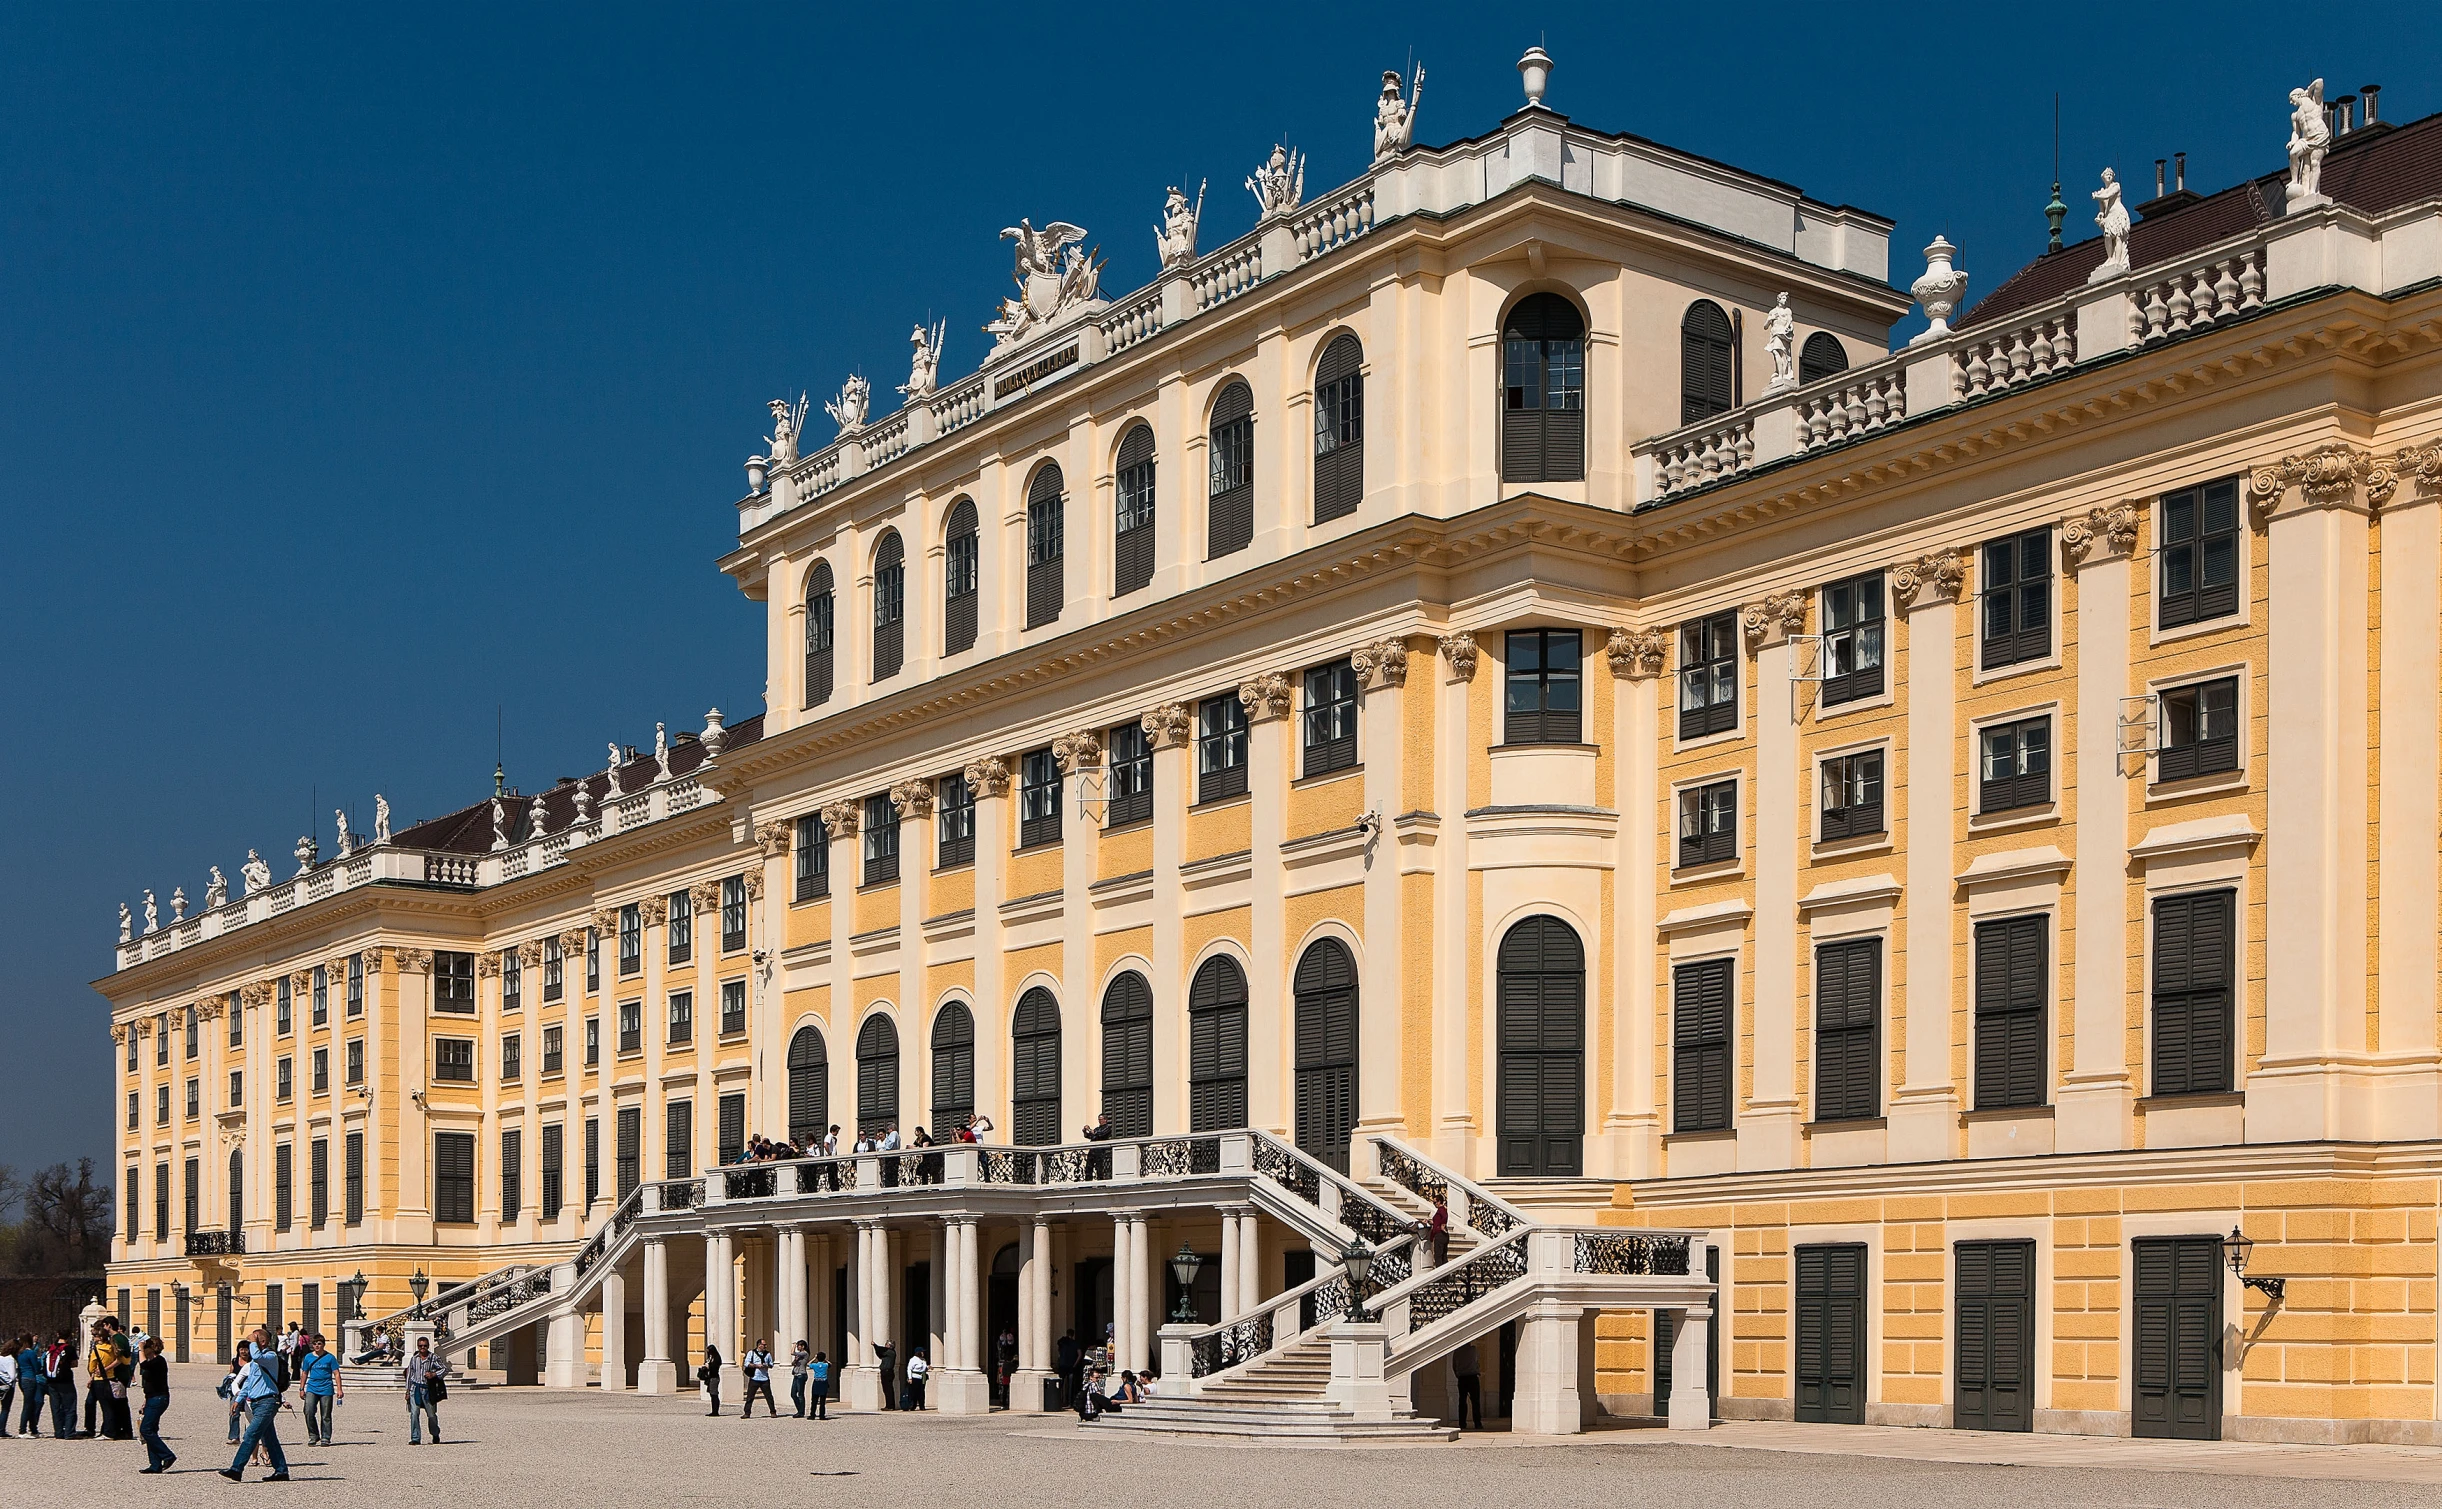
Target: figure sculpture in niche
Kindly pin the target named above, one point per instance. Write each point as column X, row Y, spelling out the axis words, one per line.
column 1280, row 183
column 1176, row 235
column 787, row 420
column 849, row 409
column 381, row 818
column 2310, row 136
column 2113, row 218
column 1780, row 328
column 257, row 872
column 1395, row 120
column 216, row 890
column 924, row 366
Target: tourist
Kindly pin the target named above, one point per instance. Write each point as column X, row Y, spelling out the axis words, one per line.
column 118, row 1417
column 1145, row 1386
column 258, row 1393
column 1098, row 1161
column 882, row 1355
column 8, row 1382
column 1069, row 1359
column 30, row 1383
column 1437, row 1230
column 154, row 1371
column 426, row 1377
column 912, row 1397
column 227, row 1387
column 801, row 1358
column 709, row 1375
column 1004, row 1362
column 1128, row 1391
column 323, row 1387
column 59, row 1382
column 1470, row 1384
column 757, row 1366
column 818, row 1374
column 101, row 1358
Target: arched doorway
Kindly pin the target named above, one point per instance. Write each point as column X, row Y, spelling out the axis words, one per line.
column 809, row 1086
column 1540, row 1119
column 1326, row 991
column 877, row 1075
column 1127, row 1055
column 1034, row 1064
column 953, row 1069
column 1216, row 1046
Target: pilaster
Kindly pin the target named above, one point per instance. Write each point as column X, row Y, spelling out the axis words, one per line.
column 1266, row 699
column 2097, row 1105
column 839, row 826
column 1167, row 731
column 1382, row 673
column 914, row 801
column 1768, row 1124
column 1453, row 947
column 1079, row 756
column 1925, row 1110
column 1633, row 1124
column 988, row 779
column 2410, row 782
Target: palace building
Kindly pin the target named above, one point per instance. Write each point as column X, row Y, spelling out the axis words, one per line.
column 1881, row 885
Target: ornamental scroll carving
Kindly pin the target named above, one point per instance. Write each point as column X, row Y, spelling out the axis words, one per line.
column 653, row 911
column 119, row 1031
column 256, row 994
column 706, row 895
column 487, row 965
column 839, row 819
column 209, row 1011
column 1637, row 653
column 415, row 961
column 1383, row 663
column 987, row 778
column 2099, row 531
column 914, row 799
column 606, row 921
column 1265, row 696
column 1459, row 649
column 754, row 885
column 530, row 954
column 573, row 941
column 773, row 839
column 1936, row 577
column 1081, row 750
column 301, row 983
column 1166, row 726
column 2326, row 477
column 2420, row 465
column 373, row 960
column 1782, row 614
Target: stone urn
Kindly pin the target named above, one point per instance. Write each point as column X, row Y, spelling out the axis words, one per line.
column 1536, row 69
column 1938, row 290
column 758, row 469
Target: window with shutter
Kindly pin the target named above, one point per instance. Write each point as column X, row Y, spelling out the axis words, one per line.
column 953, row 1068
column 283, row 1187
column 1822, row 356
column 961, row 579
column 1129, row 780
column 194, row 1186
column 1704, row 362
column 678, row 1139
column 1325, row 991
column 1229, row 519
column 1132, row 539
column 1852, row 652
column 318, row 1183
column 1831, row 1333
column 877, row 1076
column 889, row 606
column 2197, row 540
column 354, row 1173
column 1330, row 718
column 733, row 913
column 2195, row 946
column 1701, row 1008
column 809, row 1085
column 1541, row 701
column 1038, row 798
column 1852, row 795
column 1708, row 676
column 678, row 927
column 1127, row 1055
column 1220, row 748
column 1543, row 391
column 1708, row 824
column 954, row 809
column 1034, row 1063
column 453, row 1172
column 553, row 1174
column 818, row 638
column 593, row 1160
column 881, row 828
column 1993, row 1382
column 2177, row 1389
column 2012, row 962
column 2199, row 730
column 1848, row 1030
column 1216, row 1046
column 512, row 1174
column 732, row 1129
column 629, row 1150
column 1046, row 547
column 1339, row 430
column 813, row 858
column 2014, row 765
column 1539, row 1118
column 2015, row 624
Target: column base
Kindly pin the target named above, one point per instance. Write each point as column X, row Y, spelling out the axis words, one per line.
column 1636, row 1148
column 1026, row 1390
column 861, row 1387
column 959, row 1392
column 1358, row 1351
column 1923, row 1127
column 1545, row 1401
column 1768, row 1137
column 2094, row 1115
column 657, row 1376
column 565, row 1368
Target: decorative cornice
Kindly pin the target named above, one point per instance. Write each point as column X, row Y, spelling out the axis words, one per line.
column 1166, row 726
column 1265, row 696
column 1637, row 653
column 1077, row 751
column 773, row 839
column 1384, row 663
column 839, row 819
column 914, row 799
column 1936, row 577
column 1778, row 616
column 2328, row 476
column 1460, row 651
column 988, row 777
column 2099, row 534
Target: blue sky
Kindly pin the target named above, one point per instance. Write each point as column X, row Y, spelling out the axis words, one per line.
column 366, row 377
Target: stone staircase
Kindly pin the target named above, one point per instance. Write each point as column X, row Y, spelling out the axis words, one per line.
column 1272, row 1421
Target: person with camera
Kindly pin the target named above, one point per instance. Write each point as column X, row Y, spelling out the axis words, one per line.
column 257, row 1393
column 427, row 1379
column 757, row 1366
column 709, row 1375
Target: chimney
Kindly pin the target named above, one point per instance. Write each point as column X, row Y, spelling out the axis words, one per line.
column 2370, row 91
column 2344, row 115
column 2159, row 190
column 2180, row 161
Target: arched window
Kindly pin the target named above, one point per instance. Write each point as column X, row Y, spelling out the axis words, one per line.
column 1127, row 1056
column 237, row 1191
column 889, row 607
column 1229, row 521
column 1339, row 430
column 1543, row 391
column 962, row 577
column 1821, row 356
column 953, row 1068
column 1540, row 1119
column 1046, row 547
column 1216, row 1046
column 1704, row 362
column 877, row 1075
column 809, row 1086
column 1132, row 546
column 1326, row 990
column 818, row 634
column 1034, row 1063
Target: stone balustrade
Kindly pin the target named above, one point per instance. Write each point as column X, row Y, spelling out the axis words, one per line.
column 1228, row 273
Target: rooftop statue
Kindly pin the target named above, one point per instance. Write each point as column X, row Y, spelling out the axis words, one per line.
column 849, row 409
column 381, row 818
column 1395, row 120
column 1176, row 235
column 661, row 751
column 1780, row 328
column 339, row 817
column 500, row 822
column 2310, row 136
column 152, row 914
column 1280, row 184
column 127, row 924
column 257, row 872
column 924, row 366
column 216, row 890
column 1053, row 275
column 2112, row 216
column 787, row 421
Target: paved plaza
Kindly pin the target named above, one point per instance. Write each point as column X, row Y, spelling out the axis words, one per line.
column 535, row 1449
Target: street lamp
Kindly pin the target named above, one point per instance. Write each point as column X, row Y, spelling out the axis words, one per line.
column 2238, row 1247
column 416, row 1286
column 1184, row 1267
column 356, row 1298
column 1359, row 1261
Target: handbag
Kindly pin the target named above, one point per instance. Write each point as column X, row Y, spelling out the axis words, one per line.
column 435, row 1390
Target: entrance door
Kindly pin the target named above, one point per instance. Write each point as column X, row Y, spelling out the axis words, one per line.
column 1094, row 1302
column 1831, row 1333
column 2179, row 1338
column 186, row 1308
column 1326, row 990
column 1001, row 1320
column 1995, row 1361
column 1297, row 1267
column 1540, row 1119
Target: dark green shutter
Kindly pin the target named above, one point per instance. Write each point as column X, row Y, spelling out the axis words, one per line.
column 1831, row 1334
column 1216, row 1046
column 2178, row 1338
column 1993, row 1382
column 1046, row 548
column 1127, row 1055
column 2012, row 963
column 1230, row 512
column 1035, row 1070
column 1822, row 356
column 809, row 1085
column 1704, row 362
column 958, row 611
column 819, row 624
column 877, row 1075
column 1539, row 1121
column 1848, row 1080
column 2194, row 943
column 1132, row 549
column 953, row 1068
column 889, row 607
column 1700, row 1045
column 1325, row 988
column 1339, row 472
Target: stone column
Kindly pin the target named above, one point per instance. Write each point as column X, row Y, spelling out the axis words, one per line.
column 2097, row 1110
column 1250, row 1258
column 819, row 1321
column 657, row 1374
column 860, row 1387
column 1168, row 729
column 937, row 1345
column 1691, row 1405
column 890, row 1289
column 1266, row 699
column 2410, row 779
column 1229, row 1263
column 792, row 1293
column 1546, row 1401
column 565, row 1367
column 1768, row 1127
column 413, row 1190
column 1634, row 1123
column 1925, row 1110
column 614, row 1330
column 965, row 1387
column 839, row 825
column 1382, row 673
column 988, row 779
column 1034, row 1318
column 720, row 1294
column 1141, row 1297
column 1453, row 947
column 1079, row 756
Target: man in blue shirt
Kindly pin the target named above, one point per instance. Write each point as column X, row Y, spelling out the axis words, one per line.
column 320, row 1372
column 258, row 1393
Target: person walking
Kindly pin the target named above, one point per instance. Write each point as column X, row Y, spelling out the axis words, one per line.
column 153, row 1372
column 756, row 1364
column 1437, row 1230
column 228, row 1387
column 427, row 1382
column 30, row 1383
column 1470, row 1384
column 801, row 1358
column 8, row 1382
column 818, row 1373
column 258, row 1392
column 323, row 1388
column 917, row 1369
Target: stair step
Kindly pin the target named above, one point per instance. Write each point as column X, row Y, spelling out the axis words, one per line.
column 1303, row 1421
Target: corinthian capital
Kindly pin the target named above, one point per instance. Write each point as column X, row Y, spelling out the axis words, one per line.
column 1383, row 663
column 487, row 965
column 1081, row 750
column 839, row 819
column 1459, row 649
column 2328, row 476
column 1265, row 696
column 654, row 910
column 913, row 798
column 1637, row 653
column 1774, row 619
column 988, row 777
column 1937, row 577
column 772, row 838
column 415, row 961
column 2099, row 534
column 1167, row 725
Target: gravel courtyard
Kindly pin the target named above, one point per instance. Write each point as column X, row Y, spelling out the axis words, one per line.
column 528, row 1449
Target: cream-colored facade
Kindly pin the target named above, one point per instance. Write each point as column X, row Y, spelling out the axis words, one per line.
column 1477, row 788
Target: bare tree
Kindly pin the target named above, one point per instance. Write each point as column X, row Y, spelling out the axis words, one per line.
column 67, row 1221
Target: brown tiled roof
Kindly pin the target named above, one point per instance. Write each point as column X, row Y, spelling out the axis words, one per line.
column 469, row 829
column 2372, row 171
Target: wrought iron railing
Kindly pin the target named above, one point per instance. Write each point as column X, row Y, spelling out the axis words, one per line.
column 681, row 1194
column 1457, row 1285
column 216, row 1243
column 1299, row 1178
column 1180, row 1158
column 1664, row 1253
column 1236, row 1342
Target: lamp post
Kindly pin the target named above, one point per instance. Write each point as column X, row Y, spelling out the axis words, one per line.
column 1184, row 1267
column 356, row 1298
column 1359, row 1261
column 416, row 1286
column 2238, row 1247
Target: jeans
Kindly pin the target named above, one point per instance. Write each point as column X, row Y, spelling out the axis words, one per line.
column 31, row 1421
column 318, row 1417
column 263, row 1417
column 797, row 1394
column 822, row 1399
column 1470, row 1391
column 420, row 1408
column 154, row 1408
column 913, row 1396
column 756, row 1386
column 63, row 1407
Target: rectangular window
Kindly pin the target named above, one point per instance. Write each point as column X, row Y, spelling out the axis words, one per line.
column 318, row 1183
column 733, row 1007
column 194, row 1099
column 283, row 1187
column 678, row 1140
column 1852, row 639
column 631, row 940
column 813, row 858
column 161, row 1202
column 135, row 1110
column 453, row 1058
column 237, row 1088
column 593, row 960
column 512, row 979
column 1339, row 441
column 161, row 1040
column 512, row 1173
column 593, row 1160
column 129, row 1194
column 1708, row 676
column 322, row 995
column 733, row 914
column 593, row 1041
column 555, row 965
column 356, row 985
column 1701, row 998
column 1848, row 1030
column 2197, row 539
column 551, row 1172
column 453, row 982
column 1708, row 824
column 2012, row 960
column 2199, row 730
column 1331, row 717
column 453, row 1178
column 1132, row 531
column 680, row 932
column 356, row 1061
column 191, row 1031
column 1229, row 508
column 2195, row 957
column 630, row 1169
column 1129, row 755
column 1220, row 748
column 631, row 1026
column 283, row 1008
column 1541, row 704
column 353, row 1176
column 237, row 1021
column 2017, row 599
column 881, row 839
column 512, row 1057
column 194, row 1193
column 1038, row 798
column 733, row 1127
column 551, row 1049
column 954, row 817
column 283, row 1079
column 1852, row 795
column 322, row 1071
column 2014, row 765
column 161, row 1105
column 682, row 1016
column 131, row 1047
